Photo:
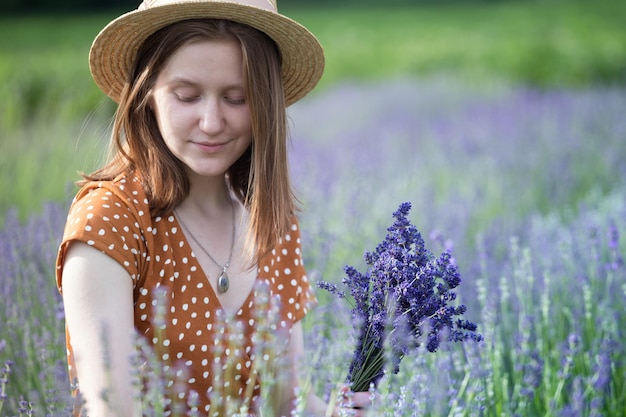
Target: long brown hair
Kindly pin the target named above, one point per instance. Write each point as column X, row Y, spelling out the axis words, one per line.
column 260, row 178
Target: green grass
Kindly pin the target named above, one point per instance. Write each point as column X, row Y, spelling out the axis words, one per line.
column 40, row 162
column 43, row 69
column 540, row 42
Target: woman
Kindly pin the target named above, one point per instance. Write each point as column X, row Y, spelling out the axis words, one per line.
column 193, row 215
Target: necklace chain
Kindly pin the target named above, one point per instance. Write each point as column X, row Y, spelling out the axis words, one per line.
column 223, row 282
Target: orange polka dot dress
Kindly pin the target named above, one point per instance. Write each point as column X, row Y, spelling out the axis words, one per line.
column 114, row 217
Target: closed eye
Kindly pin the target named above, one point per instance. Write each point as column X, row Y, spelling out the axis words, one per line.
column 236, row 100
column 187, row 99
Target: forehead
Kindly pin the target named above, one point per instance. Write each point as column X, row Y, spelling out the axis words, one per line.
column 205, row 60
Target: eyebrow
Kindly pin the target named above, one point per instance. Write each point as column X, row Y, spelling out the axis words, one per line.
column 185, row 82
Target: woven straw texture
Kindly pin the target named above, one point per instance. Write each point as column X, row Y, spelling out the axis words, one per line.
column 113, row 51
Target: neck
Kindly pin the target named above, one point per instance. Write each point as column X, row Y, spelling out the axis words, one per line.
column 207, row 197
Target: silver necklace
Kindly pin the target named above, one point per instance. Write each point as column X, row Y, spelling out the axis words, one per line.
column 223, row 282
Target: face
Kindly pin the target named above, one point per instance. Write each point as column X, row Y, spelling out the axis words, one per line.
column 200, row 106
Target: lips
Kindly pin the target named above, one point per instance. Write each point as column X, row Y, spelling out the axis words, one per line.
column 210, row 147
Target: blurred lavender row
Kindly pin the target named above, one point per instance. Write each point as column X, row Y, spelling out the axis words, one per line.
column 525, row 187
column 469, row 159
column 32, row 329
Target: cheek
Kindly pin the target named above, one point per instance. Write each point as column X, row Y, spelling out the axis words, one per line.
column 245, row 123
column 169, row 121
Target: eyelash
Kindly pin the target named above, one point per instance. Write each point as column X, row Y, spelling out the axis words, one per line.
column 236, row 100
column 185, row 99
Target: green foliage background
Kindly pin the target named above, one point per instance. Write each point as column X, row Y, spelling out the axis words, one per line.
column 30, row 6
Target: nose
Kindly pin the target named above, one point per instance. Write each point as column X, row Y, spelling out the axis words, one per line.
column 212, row 118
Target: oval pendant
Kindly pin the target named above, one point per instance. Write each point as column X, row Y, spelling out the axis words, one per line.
column 223, row 283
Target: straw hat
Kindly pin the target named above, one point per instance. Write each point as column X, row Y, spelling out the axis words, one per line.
column 113, row 51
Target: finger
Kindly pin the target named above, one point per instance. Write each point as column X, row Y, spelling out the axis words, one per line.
column 361, row 399
column 350, row 412
column 358, row 411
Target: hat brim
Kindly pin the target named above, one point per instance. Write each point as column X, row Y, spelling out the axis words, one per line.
column 113, row 51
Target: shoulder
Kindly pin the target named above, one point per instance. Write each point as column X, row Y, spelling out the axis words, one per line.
column 121, row 198
column 114, row 218
column 106, row 210
column 123, row 190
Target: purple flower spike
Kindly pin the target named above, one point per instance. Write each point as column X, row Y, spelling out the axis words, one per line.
column 403, row 298
column 331, row 288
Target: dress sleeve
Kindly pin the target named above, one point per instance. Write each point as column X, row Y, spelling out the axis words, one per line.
column 106, row 219
column 290, row 279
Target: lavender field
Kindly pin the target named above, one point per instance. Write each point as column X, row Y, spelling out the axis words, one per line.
column 525, row 187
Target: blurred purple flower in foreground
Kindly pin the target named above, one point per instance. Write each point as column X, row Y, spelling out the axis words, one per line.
column 403, row 296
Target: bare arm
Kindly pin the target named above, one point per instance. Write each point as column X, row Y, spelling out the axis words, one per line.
column 97, row 295
column 287, row 379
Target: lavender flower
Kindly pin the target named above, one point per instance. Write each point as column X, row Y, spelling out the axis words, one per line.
column 403, row 297
column 4, row 379
column 616, row 261
column 331, row 288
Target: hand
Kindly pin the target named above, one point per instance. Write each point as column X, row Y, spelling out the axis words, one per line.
column 352, row 403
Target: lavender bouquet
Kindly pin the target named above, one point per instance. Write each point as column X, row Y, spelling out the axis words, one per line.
column 402, row 301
